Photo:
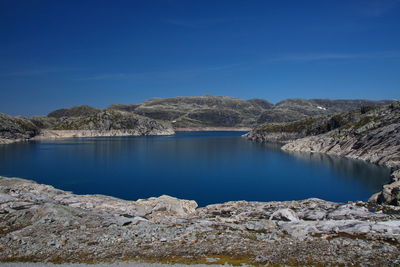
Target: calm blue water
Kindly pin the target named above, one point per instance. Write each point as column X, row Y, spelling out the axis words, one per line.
column 209, row 167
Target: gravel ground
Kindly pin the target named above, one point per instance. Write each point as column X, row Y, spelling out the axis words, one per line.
column 124, row 264
column 39, row 223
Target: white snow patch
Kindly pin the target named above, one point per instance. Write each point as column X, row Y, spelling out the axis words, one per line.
column 321, row 107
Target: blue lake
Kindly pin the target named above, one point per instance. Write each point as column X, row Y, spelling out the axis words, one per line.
column 209, row 167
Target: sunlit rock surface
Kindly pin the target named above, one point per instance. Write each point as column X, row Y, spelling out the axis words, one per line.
column 41, row 223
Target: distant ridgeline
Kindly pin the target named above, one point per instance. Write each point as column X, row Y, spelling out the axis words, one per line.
column 163, row 115
column 222, row 111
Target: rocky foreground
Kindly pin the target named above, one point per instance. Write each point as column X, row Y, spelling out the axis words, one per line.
column 44, row 224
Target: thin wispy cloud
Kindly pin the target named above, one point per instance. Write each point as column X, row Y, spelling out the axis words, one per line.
column 168, row 74
column 338, row 56
column 204, row 22
column 376, row 8
column 36, row 72
column 225, row 67
column 114, row 76
column 137, row 76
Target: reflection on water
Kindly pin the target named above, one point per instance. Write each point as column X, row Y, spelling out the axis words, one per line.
column 208, row 167
column 368, row 174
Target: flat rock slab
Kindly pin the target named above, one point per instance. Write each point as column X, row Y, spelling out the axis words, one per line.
column 120, row 264
column 39, row 223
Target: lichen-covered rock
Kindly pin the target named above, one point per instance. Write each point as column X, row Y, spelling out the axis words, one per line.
column 297, row 109
column 390, row 193
column 284, row 215
column 16, row 128
column 203, row 111
column 89, row 124
column 111, row 120
column 223, row 111
column 78, row 111
column 41, row 223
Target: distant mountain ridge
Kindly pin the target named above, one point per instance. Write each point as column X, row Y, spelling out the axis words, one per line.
column 202, row 111
column 223, row 111
column 163, row 115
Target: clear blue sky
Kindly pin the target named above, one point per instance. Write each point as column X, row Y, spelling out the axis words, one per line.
column 62, row 53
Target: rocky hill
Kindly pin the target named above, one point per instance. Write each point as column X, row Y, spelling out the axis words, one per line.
column 201, row 111
column 370, row 133
column 39, row 223
column 106, row 123
column 160, row 115
column 286, row 131
column 108, row 120
column 222, row 111
column 16, row 128
column 79, row 122
column 297, row 109
column 78, row 111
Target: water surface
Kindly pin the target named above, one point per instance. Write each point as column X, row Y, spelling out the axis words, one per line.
column 209, row 167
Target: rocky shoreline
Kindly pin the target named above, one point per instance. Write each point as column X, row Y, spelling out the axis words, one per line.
column 371, row 134
column 61, row 134
column 4, row 141
column 213, row 129
column 39, row 223
column 55, row 134
column 96, row 123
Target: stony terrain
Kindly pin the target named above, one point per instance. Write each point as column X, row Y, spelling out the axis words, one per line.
column 41, row 223
column 113, row 121
column 16, row 128
column 201, row 111
column 349, row 120
column 72, row 123
column 370, row 133
column 296, row 109
column 163, row 115
column 78, row 111
column 103, row 264
column 222, row 111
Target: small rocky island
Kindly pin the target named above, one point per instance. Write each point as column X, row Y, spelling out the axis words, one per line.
column 40, row 223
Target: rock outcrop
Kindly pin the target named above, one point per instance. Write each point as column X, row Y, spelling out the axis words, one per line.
column 16, row 128
column 41, row 223
column 80, row 123
column 163, row 115
column 370, row 133
column 297, row 109
column 201, row 111
column 222, row 111
column 111, row 123
column 391, row 192
column 78, row 111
